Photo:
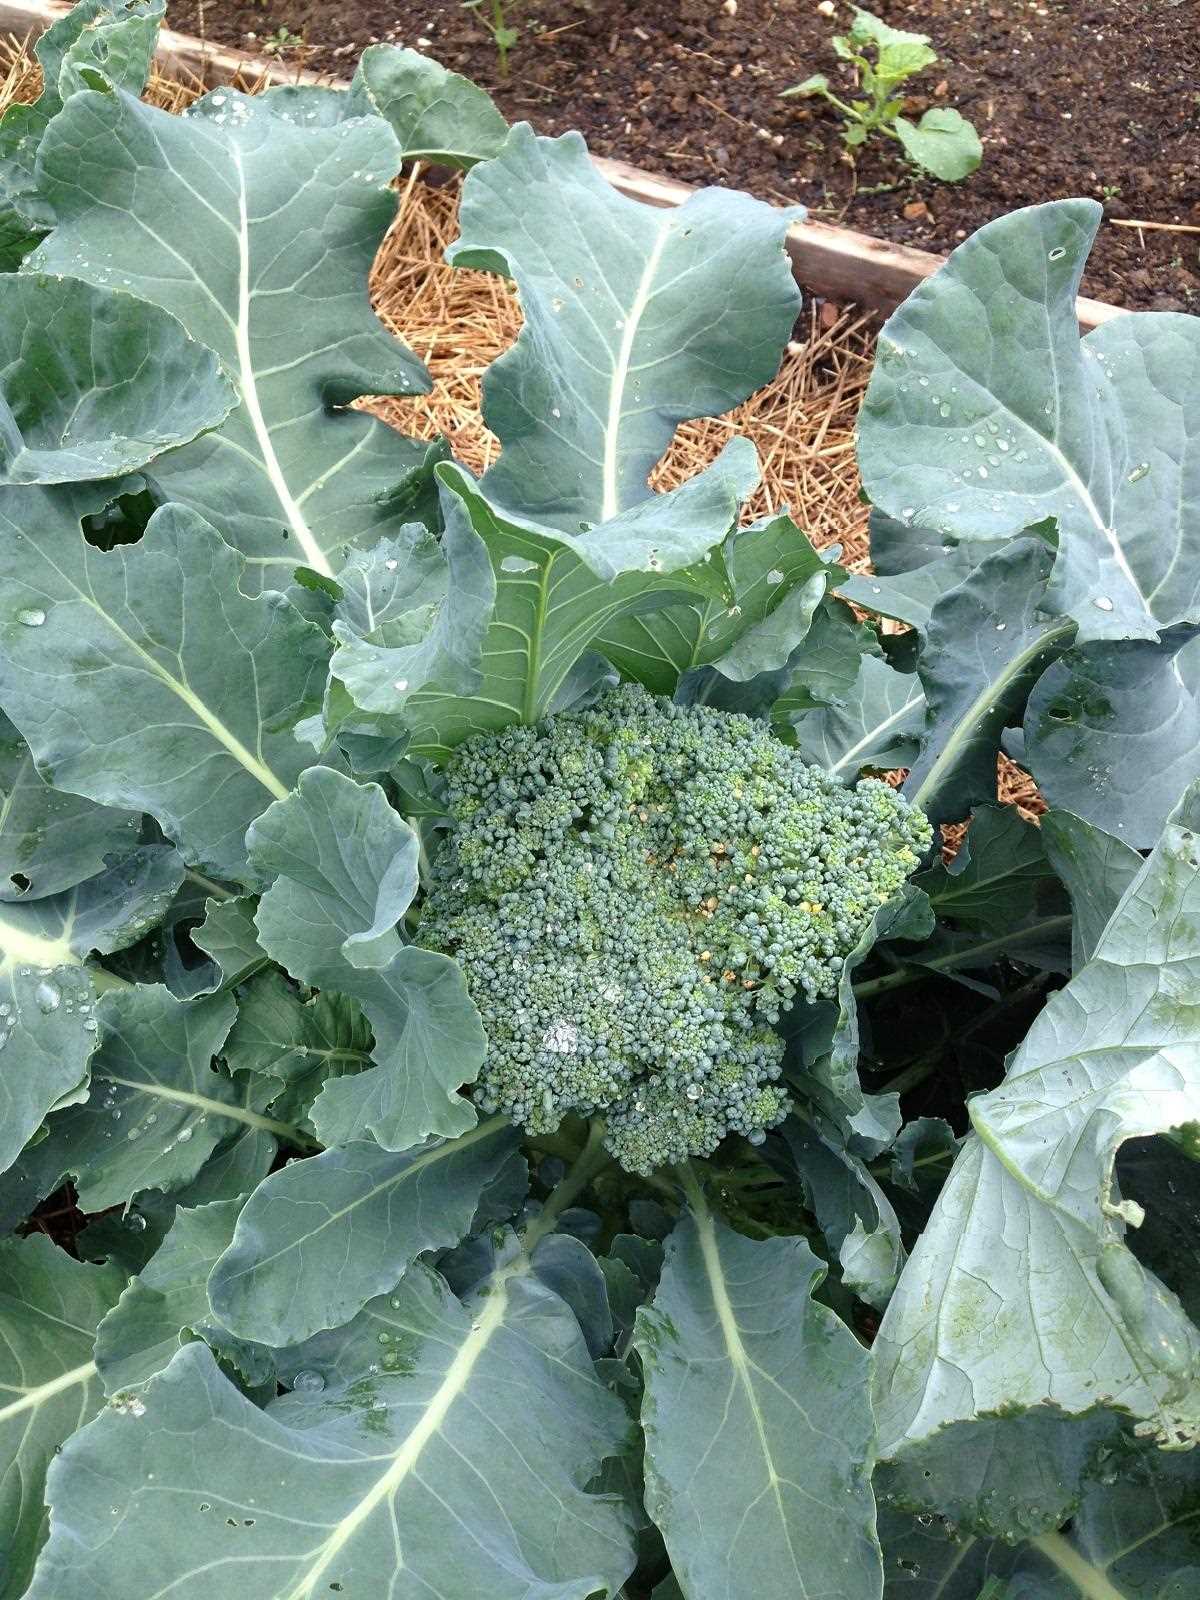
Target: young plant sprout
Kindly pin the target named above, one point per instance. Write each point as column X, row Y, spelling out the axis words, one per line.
column 942, row 143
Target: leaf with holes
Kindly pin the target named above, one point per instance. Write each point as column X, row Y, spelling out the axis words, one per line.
column 229, row 219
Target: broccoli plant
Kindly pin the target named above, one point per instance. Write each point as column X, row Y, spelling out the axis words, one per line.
column 502, row 1090
column 635, row 892
column 943, row 143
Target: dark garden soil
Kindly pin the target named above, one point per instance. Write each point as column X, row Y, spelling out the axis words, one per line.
column 1070, row 97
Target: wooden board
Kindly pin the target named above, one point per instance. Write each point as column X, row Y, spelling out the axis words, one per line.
column 835, row 262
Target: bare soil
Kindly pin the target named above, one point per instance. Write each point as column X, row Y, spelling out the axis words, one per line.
column 1070, row 97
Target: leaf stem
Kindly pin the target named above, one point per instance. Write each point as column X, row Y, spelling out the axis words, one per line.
column 592, row 1159
column 214, row 890
column 1091, row 1582
column 987, row 698
column 959, row 958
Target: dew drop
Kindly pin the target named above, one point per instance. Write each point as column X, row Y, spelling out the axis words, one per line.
column 1102, row 603
column 774, row 577
column 400, row 685
column 31, row 616
column 308, row 1382
column 1057, row 253
column 48, row 996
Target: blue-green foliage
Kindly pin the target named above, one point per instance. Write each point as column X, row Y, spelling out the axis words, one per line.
column 636, row 892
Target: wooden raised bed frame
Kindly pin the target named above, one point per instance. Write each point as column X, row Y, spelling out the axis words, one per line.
column 837, row 262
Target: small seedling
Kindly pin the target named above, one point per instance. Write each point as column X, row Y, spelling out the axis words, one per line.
column 498, row 22
column 944, row 143
column 282, row 41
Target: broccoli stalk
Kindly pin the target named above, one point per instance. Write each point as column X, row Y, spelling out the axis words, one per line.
column 636, row 892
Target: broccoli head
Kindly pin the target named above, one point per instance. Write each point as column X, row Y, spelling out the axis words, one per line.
column 635, row 893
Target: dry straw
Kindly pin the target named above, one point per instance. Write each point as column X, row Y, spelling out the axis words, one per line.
column 459, row 321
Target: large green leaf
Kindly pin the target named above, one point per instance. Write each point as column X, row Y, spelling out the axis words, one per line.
column 436, row 115
column 357, row 1483
column 986, row 413
column 876, row 722
column 776, row 581
column 116, row 36
column 49, row 1308
column 1061, row 1332
column 635, row 320
column 160, row 1101
column 1096, row 868
column 1112, row 732
column 318, row 1238
column 141, row 677
column 95, row 383
column 758, row 1423
column 558, row 593
column 230, row 218
column 1132, row 1538
column 302, row 1043
column 413, row 614
column 50, row 840
column 167, row 1304
column 345, row 867
column 1000, row 877
column 986, row 643
column 46, row 1015
column 856, row 1217
column 46, row 1012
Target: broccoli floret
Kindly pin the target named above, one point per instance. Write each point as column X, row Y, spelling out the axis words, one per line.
column 635, row 893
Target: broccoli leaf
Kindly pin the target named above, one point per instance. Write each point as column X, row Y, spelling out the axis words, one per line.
column 49, row 1031
column 50, row 1306
column 776, row 582
column 288, row 210
column 115, row 36
column 317, row 1239
column 356, row 1483
column 95, row 383
column 1132, row 1535
column 142, row 677
column 167, row 1303
column 347, row 871
column 758, row 1424
column 413, row 615
column 557, row 594
column 1096, row 868
column 436, row 115
column 985, row 646
column 635, row 320
column 986, row 413
column 1111, row 731
column 999, row 1370
column 876, row 722
column 50, row 840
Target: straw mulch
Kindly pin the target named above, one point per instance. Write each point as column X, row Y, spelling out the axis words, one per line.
column 459, row 321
